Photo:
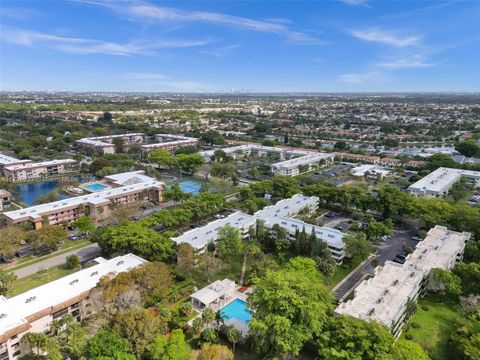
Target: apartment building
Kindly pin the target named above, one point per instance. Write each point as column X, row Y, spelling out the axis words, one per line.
column 30, row 170
column 297, row 166
column 282, row 214
column 293, row 161
column 106, row 144
column 34, row 310
column 8, row 160
column 440, row 181
column 169, row 142
column 200, row 237
column 384, row 297
column 5, row 199
column 124, row 188
column 279, row 214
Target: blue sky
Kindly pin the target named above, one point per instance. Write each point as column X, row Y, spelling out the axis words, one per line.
column 272, row 46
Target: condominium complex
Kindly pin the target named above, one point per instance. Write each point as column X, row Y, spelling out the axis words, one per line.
column 293, row 161
column 282, row 214
column 200, row 237
column 106, row 144
column 121, row 189
column 279, row 214
column 8, row 161
column 34, row 310
column 440, row 181
column 384, row 298
column 5, row 199
column 169, row 143
column 30, row 170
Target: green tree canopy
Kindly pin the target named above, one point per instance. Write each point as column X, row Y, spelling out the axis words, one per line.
column 290, row 307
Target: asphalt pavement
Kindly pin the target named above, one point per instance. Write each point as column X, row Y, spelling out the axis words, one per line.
column 86, row 253
column 385, row 251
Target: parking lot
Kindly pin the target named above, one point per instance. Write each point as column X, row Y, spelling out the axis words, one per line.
column 384, row 251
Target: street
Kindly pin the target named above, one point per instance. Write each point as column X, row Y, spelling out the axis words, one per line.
column 86, row 253
column 385, row 251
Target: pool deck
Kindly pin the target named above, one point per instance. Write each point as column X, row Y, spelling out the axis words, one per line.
column 238, row 324
column 84, row 186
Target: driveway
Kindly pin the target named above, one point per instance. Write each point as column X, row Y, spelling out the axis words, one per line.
column 385, row 251
column 86, row 253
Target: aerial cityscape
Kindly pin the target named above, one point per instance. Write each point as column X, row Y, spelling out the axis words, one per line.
column 235, row 180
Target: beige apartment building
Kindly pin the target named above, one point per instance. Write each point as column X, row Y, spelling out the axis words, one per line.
column 30, row 170
column 36, row 309
column 122, row 189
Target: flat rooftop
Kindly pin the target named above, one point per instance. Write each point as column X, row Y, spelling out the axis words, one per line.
column 15, row 310
column 249, row 147
column 287, row 207
column 383, row 297
column 303, row 160
column 99, row 140
column 98, row 197
column 32, row 165
column 201, row 236
column 442, row 178
column 7, row 160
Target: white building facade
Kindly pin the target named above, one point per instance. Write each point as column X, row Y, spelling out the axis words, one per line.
column 384, row 297
column 34, row 310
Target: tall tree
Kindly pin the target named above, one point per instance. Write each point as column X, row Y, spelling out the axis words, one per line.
column 290, row 307
column 173, row 347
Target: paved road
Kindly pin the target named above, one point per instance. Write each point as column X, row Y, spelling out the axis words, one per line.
column 86, row 253
column 386, row 251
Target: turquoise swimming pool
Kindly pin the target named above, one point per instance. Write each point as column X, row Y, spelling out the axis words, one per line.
column 95, row 187
column 237, row 309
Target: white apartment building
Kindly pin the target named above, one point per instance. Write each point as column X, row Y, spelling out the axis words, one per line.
column 384, row 297
column 169, row 142
column 440, row 181
column 200, row 237
column 34, row 310
column 8, row 160
column 124, row 188
column 105, row 144
column 293, row 161
column 281, row 214
column 30, row 170
column 297, row 166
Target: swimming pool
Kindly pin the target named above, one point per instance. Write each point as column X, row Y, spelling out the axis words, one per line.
column 95, row 187
column 237, row 309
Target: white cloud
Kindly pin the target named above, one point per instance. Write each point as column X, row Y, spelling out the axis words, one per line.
column 375, row 34
column 91, row 46
column 366, row 77
column 416, row 61
column 144, row 76
column 155, row 13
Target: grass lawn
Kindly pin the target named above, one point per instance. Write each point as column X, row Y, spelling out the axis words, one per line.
column 342, row 272
column 232, row 270
column 435, row 326
column 68, row 246
column 40, row 278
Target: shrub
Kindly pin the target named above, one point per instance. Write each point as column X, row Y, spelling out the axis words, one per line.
column 72, row 262
column 408, row 336
column 425, row 307
column 375, row 262
column 415, row 325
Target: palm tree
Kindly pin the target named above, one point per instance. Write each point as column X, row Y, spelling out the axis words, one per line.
column 234, row 336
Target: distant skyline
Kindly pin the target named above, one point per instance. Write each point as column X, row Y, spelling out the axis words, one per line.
column 228, row 46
